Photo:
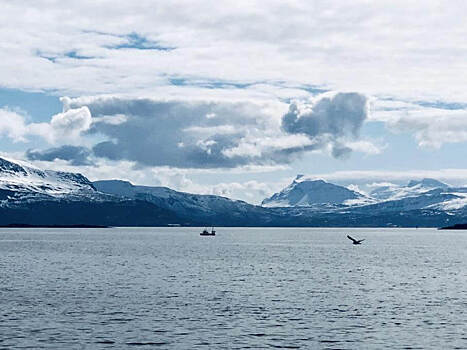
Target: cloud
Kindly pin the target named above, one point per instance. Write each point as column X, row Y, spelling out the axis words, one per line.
column 66, row 126
column 452, row 176
column 76, row 155
column 365, row 146
column 251, row 191
column 350, row 46
column 340, row 151
column 213, row 134
column 174, row 133
column 196, row 134
column 431, row 126
column 339, row 115
column 331, row 120
column 191, row 134
column 12, row 125
column 432, row 131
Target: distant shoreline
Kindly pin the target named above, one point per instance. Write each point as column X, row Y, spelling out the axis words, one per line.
column 455, row 227
column 51, row 226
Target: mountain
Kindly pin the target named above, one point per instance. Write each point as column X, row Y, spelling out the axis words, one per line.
column 29, row 195
column 421, row 194
column 194, row 209
column 32, row 196
column 323, row 196
column 305, row 193
column 202, row 210
column 23, row 182
column 427, row 183
column 426, row 202
column 413, row 188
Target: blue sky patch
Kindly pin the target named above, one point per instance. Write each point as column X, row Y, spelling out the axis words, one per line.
column 139, row 42
column 74, row 54
column 39, row 105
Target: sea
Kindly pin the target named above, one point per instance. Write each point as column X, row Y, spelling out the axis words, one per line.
column 245, row 288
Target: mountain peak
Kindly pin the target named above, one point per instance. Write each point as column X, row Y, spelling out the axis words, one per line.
column 311, row 192
column 427, row 182
column 298, row 177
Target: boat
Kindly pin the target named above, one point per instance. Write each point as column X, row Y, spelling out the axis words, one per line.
column 207, row 233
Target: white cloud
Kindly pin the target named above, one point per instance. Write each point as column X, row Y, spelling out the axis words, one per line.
column 391, row 48
column 431, row 126
column 252, row 145
column 251, row 191
column 65, row 127
column 12, row 125
column 365, row 146
column 453, row 176
column 434, row 130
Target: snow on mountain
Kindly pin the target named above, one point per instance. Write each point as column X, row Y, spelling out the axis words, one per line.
column 417, row 194
column 23, row 181
column 452, row 204
column 422, row 194
column 426, row 200
column 32, row 195
column 303, row 192
column 127, row 189
column 413, row 188
column 169, row 197
column 206, row 209
column 427, row 183
column 457, row 203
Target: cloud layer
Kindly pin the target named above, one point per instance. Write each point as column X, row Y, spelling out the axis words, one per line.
column 161, row 46
column 432, row 126
column 219, row 134
column 195, row 134
column 76, row 155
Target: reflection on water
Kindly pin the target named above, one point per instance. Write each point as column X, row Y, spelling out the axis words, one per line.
column 256, row 288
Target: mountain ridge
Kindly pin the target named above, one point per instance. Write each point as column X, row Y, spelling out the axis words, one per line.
column 417, row 194
column 32, row 196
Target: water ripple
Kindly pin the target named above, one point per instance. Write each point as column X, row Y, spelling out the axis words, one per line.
column 245, row 289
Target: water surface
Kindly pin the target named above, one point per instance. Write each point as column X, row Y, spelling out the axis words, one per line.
column 246, row 288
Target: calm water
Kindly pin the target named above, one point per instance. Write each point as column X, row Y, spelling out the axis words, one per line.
column 256, row 288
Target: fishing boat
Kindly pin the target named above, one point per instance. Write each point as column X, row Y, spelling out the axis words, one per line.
column 207, row 233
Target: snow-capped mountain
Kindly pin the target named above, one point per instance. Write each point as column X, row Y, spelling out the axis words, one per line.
column 413, row 188
column 29, row 195
column 417, row 194
column 422, row 194
column 22, row 181
column 303, row 192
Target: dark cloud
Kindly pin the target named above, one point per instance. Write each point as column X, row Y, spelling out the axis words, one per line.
column 330, row 120
column 340, row 151
column 76, row 155
column 216, row 134
column 179, row 134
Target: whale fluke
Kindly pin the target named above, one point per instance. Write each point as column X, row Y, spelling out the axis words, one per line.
column 355, row 241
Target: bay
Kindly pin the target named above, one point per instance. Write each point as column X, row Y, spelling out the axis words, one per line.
column 246, row 288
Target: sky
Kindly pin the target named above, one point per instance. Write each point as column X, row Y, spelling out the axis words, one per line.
column 236, row 98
